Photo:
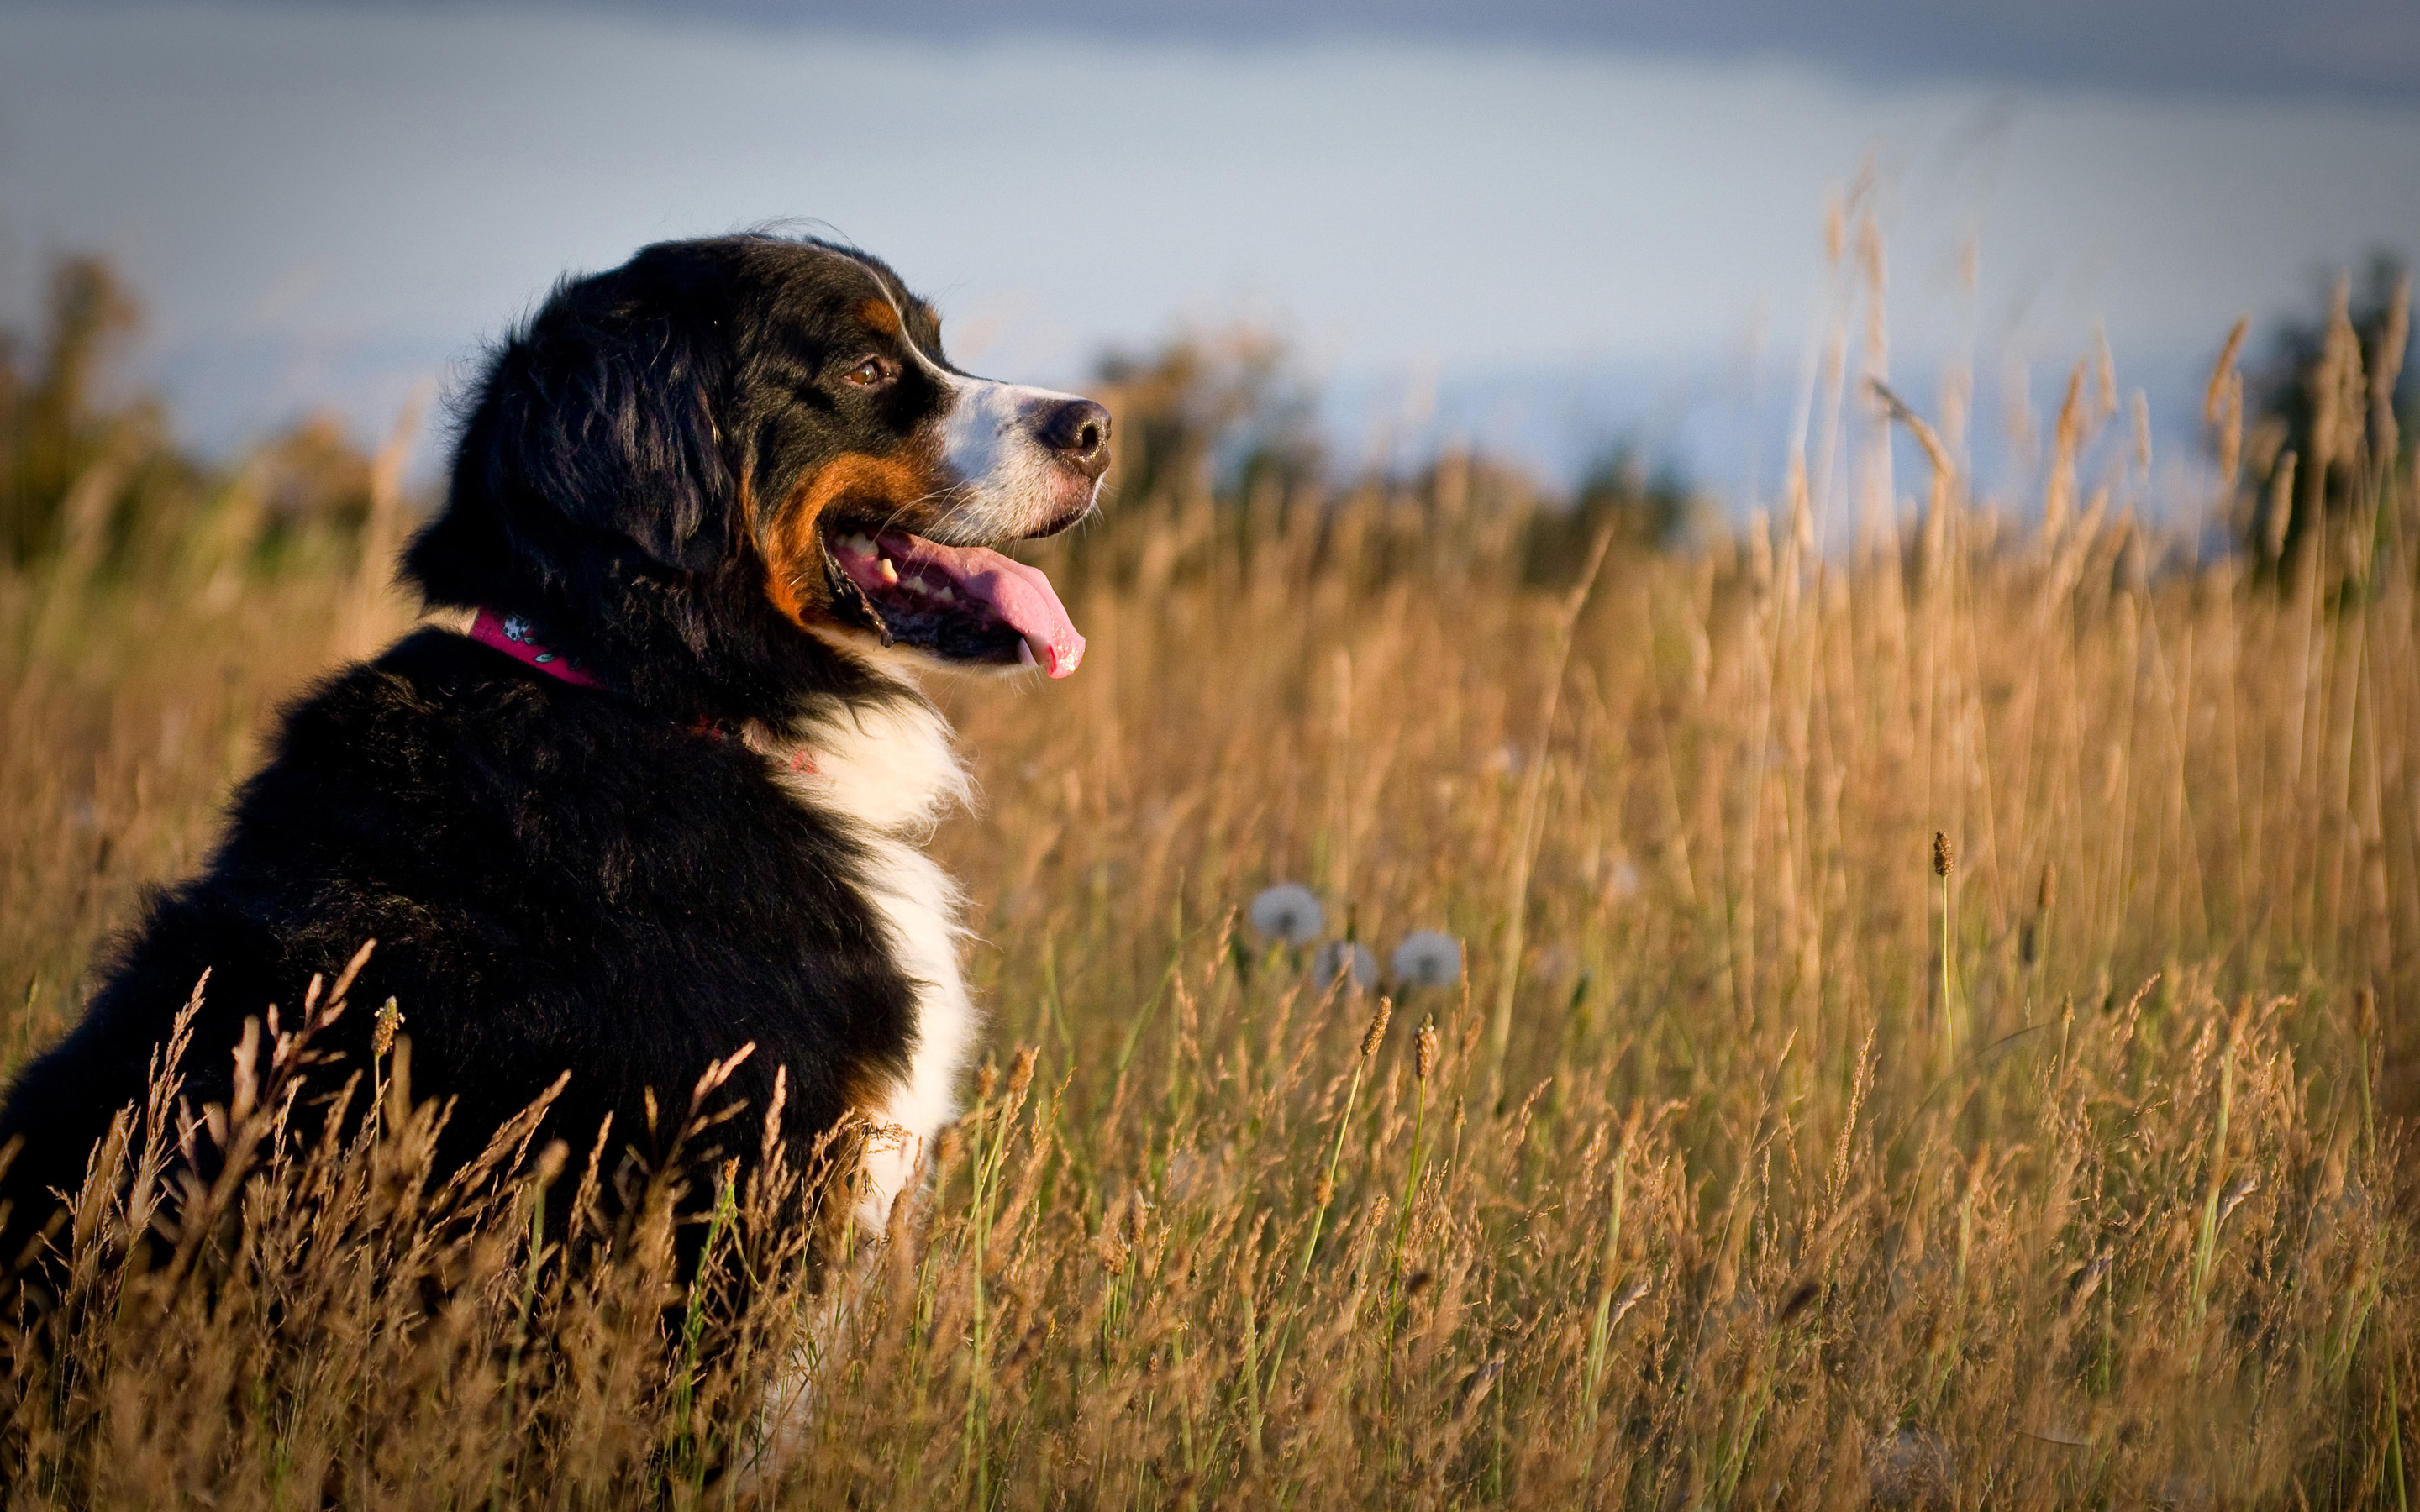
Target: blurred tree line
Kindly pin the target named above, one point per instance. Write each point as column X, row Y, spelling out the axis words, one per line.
column 2333, row 406
column 1216, row 436
column 92, row 473
column 1219, row 443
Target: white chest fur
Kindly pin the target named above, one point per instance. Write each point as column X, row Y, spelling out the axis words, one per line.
column 890, row 772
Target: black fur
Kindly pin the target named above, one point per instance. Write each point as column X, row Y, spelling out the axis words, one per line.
column 598, row 880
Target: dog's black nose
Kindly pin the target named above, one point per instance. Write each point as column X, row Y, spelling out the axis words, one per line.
column 1079, row 431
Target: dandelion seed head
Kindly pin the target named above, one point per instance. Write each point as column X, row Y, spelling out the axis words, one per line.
column 1289, row 913
column 1428, row 958
column 1347, row 960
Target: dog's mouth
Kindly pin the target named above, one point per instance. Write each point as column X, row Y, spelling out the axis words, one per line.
column 960, row 603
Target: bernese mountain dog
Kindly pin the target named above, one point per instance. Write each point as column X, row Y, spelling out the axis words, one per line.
column 712, row 513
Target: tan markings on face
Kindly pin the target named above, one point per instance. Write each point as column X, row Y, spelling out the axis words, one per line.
column 794, row 549
column 878, row 314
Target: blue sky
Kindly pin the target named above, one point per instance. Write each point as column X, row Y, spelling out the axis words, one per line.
column 1563, row 230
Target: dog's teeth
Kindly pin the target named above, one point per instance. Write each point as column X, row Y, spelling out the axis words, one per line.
column 945, row 592
column 890, row 573
column 861, row 543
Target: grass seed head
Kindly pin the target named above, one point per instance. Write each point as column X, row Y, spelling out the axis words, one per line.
column 1424, row 1051
column 2280, row 513
column 1944, row 854
column 383, row 1024
column 1378, row 1027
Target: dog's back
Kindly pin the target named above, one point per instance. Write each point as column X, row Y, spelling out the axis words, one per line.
column 554, row 881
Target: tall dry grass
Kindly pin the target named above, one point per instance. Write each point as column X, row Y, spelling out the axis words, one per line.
column 1757, row 1160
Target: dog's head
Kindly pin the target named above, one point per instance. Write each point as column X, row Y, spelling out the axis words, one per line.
column 763, row 429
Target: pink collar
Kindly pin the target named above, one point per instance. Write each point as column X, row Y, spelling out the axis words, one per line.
column 511, row 635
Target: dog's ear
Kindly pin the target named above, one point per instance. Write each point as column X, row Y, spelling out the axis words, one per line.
column 611, row 422
column 591, row 437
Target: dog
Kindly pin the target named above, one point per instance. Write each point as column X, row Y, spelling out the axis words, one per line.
column 714, row 513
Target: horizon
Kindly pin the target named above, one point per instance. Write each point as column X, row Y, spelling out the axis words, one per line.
column 1549, row 253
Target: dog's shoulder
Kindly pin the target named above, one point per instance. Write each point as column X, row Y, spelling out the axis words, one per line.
column 468, row 748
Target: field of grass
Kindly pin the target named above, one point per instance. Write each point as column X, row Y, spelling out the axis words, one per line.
column 1764, row 1153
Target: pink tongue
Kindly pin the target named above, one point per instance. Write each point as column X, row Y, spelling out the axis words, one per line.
column 1020, row 595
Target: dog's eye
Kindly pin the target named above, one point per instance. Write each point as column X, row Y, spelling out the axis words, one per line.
column 873, row 373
